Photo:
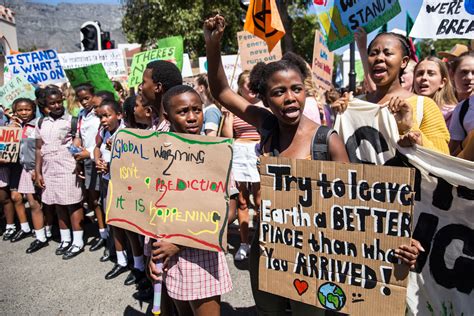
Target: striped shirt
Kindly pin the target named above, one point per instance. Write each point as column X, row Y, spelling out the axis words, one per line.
column 243, row 130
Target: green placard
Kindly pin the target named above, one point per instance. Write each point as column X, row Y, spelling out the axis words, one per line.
column 16, row 88
column 169, row 49
column 93, row 74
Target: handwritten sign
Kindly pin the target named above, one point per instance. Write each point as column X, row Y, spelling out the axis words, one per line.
column 112, row 59
column 323, row 61
column 254, row 50
column 16, row 88
column 171, row 187
column 93, row 74
column 328, row 233
column 447, row 19
column 37, row 67
column 339, row 19
column 170, row 49
column 232, row 68
column 10, row 143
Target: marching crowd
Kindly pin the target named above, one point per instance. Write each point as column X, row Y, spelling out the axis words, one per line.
column 63, row 167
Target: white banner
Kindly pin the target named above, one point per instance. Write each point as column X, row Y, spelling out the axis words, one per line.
column 112, row 59
column 443, row 281
column 446, row 19
column 232, row 68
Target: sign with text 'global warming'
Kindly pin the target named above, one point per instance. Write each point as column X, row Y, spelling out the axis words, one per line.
column 171, row 187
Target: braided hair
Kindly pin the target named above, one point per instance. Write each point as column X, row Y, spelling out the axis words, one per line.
column 403, row 43
column 262, row 72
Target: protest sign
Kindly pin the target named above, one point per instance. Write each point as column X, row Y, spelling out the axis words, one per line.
column 113, row 61
column 9, row 143
column 93, row 74
column 37, row 67
column 443, row 219
column 232, row 68
column 328, row 233
column 323, row 62
column 446, row 19
column 340, row 19
column 16, row 88
column 171, row 187
column 254, row 50
column 170, row 49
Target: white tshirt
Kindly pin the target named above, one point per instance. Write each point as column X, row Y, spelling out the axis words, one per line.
column 455, row 129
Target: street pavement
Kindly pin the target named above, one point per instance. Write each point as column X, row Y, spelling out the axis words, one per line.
column 44, row 284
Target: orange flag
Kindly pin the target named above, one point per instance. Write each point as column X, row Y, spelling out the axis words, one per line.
column 263, row 20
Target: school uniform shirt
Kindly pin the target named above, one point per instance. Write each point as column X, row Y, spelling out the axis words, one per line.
column 61, row 185
column 88, row 127
column 106, row 152
column 212, row 118
column 27, row 157
column 458, row 133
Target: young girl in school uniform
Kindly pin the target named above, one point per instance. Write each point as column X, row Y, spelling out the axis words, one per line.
column 55, row 167
column 24, row 111
column 195, row 279
column 110, row 114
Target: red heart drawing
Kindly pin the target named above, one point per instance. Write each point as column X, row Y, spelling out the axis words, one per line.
column 301, row 286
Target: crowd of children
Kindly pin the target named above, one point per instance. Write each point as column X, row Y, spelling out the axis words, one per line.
column 63, row 167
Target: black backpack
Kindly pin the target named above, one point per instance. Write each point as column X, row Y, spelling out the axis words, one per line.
column 319, row 145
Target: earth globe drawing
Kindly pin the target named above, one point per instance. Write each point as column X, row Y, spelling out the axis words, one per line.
column 331, row 296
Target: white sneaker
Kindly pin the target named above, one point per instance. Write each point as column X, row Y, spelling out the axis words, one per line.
column 242, row 253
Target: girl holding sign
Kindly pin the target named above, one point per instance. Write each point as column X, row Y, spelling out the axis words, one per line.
column 285, row 132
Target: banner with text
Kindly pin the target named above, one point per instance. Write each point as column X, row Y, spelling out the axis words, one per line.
column 113, row 61
column 340, row 19
column 39, row 67
column 328, row 233
column 170, row 49
column 443, row 214
column 10, row 143
column 254, row 50
column 232, row 68
column 93, row 74
column 171, row 187
column 17, row 87
column 323, row 62
column 446, row 19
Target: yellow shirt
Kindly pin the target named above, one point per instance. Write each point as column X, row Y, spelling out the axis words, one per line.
column 434, row 132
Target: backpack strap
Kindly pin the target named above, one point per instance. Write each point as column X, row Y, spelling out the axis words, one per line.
column 462, row 113
column 320, row 143
column 419, row 109
column 40, row 122
column 74, row 121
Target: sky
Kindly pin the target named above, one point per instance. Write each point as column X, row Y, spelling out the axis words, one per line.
column 410, row 6
column 78, row 1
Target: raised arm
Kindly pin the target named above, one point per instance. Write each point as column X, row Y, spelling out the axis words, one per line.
column 213, row 30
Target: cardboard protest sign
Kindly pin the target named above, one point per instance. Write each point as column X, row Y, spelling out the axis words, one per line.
column 323, row 62
column 232, row 68
column 16, row 88
column 340, row 19
column 171, row 187
column 113, row 61
column 328, row 233
column 37, row 67
column 10, row 143
column 446, row 19
column 443, row 218
column 254, row 50
column 93, row 74
column 170, row 49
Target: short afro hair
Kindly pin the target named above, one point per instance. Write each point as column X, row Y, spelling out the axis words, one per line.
column 105, row 95
column 174, row 91
column 166, row 73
